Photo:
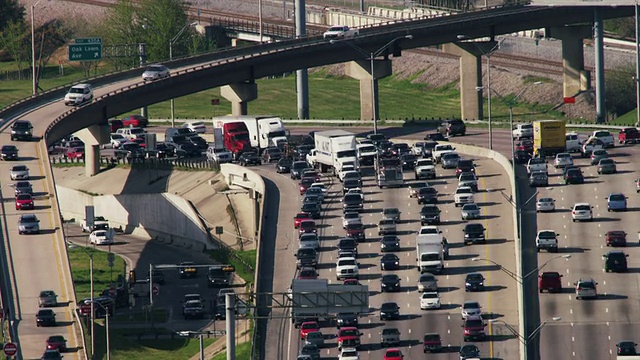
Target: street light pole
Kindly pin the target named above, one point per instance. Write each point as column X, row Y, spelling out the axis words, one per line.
column 93, row 310
column 374, row 107
column 171, row 42
column 514, row 276
column 33, row 49
column 106, row 312
column 531, row 336
column 489, row 96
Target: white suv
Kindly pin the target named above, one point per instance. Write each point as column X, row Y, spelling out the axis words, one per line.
column 347, row 268
column 78, row 94
column 581, row 212
column 463, row 195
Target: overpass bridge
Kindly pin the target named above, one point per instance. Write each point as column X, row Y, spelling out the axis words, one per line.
column 121, row 92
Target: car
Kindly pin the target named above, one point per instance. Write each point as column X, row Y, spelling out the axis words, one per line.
column 346, row 319
column 249, row 158
column 297, row 167
column 117, row 140
column 427, row 195
column 522, row 131
column 415, row 187
column 271, row 154
column 626, row 347
column 316, row 338
column 389, row 311
column 28, row 224
column 545, row 204
column 391, row 214
column 135, row 121
column 187, row 270
column 525, row 145
column 467, row 178
column 615, row 238
column 536, row 164
column 452, row 127
column 386, row 227
column 19, row 172
column 78, row 94
column 355, row 231
column 311, row 173
column 616, row 202
column 425, row 169
column 471, row 309
column 351, row 217
column 470, row 211
column 389, row 283
column 308, row 273
column 308, row 327
column 74, row 153
column 389, row 243
column 521, row 157
column 393, row 354
column 586, row 289
column 607, row 166
column 547, row 240
column 390, row 262
column 349, row 354
column 352, row 202
column 347, row 245
column 311, row 350
column 348, row 336
column 389, row 337
column 430, row 215
column 473, row 233
column 474, row 328
column 427, row 283
column 51, row 355
column 431, row 342
column 22, row 187
column 155, row 72
column 304, row 184
column 45, row 317
column 598, row 155
column 350, row 282
column 306, row 256
column 615, row 261
column 101, row 237
column 474, row 282
column 310, row 240
column 347, row 268
column 9, row 152
column 21, row 130
column 283, row 166
column 312, row 209
column 551, row 281
column 562, row 160
column 465, row 165
column 538, row 178
column 299, row 218
column 573, row 176
column 24, row 201
column 430, row 300
column 56, row 342
column 350, row 184
column 468, row 352
column 47, row 298
column 449, row 160
column 307, row 226
column 463, row 195
column 435, row 137
column 581, row 212
column 408, row 161
column 197, row 127
column 193, row 309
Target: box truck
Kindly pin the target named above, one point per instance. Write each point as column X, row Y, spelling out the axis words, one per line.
column 430, row 253
column 334, row 149
column 549, row 137
column 264, row 130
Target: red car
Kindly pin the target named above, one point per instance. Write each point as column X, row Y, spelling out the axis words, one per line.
column 393, row 354
column 135, row 121
column 140, row 141
column 350, row 282
column 525, row 145
column 307, row 273
column 431, row 343
column 349, row 337
column 24, row 201
column 304, row 185
column 355, row 231
column 550, row 281
column 616, row 238
column 114, row 125
column 300, row 217
column 57, row 342
column 307, row 227
column 75, row 153
column 308, row 327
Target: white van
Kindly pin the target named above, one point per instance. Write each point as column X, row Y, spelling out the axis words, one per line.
column 131, row 133
column 78, row 94
column 573, row 144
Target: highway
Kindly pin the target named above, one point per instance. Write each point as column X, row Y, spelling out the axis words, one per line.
column 497, row 300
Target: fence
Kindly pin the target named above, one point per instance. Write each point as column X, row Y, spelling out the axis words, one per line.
column 150, row 163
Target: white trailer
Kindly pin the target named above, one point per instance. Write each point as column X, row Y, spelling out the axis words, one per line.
column 218, row 139
column 264, row 130
column 334, row 149
column 430, row 253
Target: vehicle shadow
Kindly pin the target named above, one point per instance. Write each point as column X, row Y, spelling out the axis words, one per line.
column 461, row 270
column 497, row 241
column 572, row 250
column 449, row 306
column 370, row 276
column 494, row 288
column 448, row 289
column 611, row 297
column 462, row 256
column 605, row 219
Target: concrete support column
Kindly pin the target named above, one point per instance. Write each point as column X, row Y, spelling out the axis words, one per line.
column 574, row 77
column 239, row 94
column 471, row 88
column 598, row 43
column 361, row 70
column 92, row 137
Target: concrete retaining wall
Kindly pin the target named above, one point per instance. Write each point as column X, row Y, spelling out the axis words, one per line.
column 168, row 217
column 239, row 177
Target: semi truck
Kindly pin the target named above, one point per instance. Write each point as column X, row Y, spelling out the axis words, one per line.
column 549, row 137
column 333, row 149
column 390, row 177
column 235, row 136
column 264, row 130
column 430, row 253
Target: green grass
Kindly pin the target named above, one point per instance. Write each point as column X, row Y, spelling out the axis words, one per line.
column 103, row 276
column 243, row 351
column 249, row 256
column 628, row 119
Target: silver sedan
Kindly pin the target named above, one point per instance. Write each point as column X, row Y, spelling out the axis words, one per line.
column 545, row 204
column 470, row 211
column 155, row 72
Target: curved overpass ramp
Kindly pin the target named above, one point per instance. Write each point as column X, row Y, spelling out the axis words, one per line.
column 40, row 262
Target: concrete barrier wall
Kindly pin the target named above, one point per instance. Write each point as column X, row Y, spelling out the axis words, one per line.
column 169, row 217
column 241, row 177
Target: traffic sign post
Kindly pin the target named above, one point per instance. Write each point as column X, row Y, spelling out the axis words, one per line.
column 10, row 349
column 88, row 49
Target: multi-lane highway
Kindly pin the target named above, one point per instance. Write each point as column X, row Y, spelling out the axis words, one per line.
column 498, row 301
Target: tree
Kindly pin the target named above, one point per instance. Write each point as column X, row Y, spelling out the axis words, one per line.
column 620, row 93
column 162, row 20
column 123, row 28
column 10, row 12
column 14, row 40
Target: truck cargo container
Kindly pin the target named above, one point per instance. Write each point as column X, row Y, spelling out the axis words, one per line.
column 334, row 149
column 549, row 137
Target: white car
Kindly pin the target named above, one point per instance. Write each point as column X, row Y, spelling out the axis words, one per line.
column 429, row 229
column 349, row 354
column 117, row 140
column 429, row 300
column 339, row 32
column 346, row 268
column 563, row 160
column 323, row 187
column 425, row 169
column 155, row 72
column 219, row 155
column 351, row 217
column 196, row 126
column 581, row 212
column 463, row 195
column 471, row 309
column 101, row 237
column 19, row 172
column 523, row 131
column 470, row 211
column 545, row 204
column 78, row 94
column 309, row 240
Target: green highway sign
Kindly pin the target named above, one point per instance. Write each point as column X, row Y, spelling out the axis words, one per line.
column 88, row 41
column 85, row 52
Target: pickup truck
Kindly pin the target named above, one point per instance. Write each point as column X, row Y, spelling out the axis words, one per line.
column 629, row 135
column 440, row 150
column 547, row 240
column 340, row 32
column 425, row 169
column 590, row 145
column 522, row 131
column 604, row 136
column 537, row 164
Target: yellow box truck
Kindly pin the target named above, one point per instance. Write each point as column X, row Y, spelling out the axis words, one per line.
column 548, row 137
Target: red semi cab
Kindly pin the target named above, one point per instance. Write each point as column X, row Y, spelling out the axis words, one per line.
column 236, row 137
column 629, row 135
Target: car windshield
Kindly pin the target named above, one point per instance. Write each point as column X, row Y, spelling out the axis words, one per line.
column 587, row 285
column 474, row 277
column 393, row 353
column 76, row 90
column 616, row 197
column 474, row 323
column 474, row 228
column 536, row 161
column 349, row 332
column 155, row 68
column 583, row 207
column 606, row 161
column 19, row 168
column 23, row 197
column 470, row 207
column 354, row 227
column 352, row 198
column 464, row 190
column 351, row 215
column 345, row 262
column 430, row 295
column 349, row 353
column 545, row 200
column 547, row 235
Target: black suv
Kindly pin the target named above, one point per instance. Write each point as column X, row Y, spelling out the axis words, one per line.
column 45, row 317
column 249, row 158
column 297, row 167
column 615, row 261
column 473, row 233
column 347, row 245
column 573, row 176
column 21, row 130
column 430, row 215
column 389, row 311
column 474, row 282
column 453, row 127
column 283, row 166
column 427, row 195
column 390, row 283
column 346, row 319
column 408, row 161
column 389, row 243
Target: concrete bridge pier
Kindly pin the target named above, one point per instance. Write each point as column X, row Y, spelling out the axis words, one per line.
column 361, row 70
column 239, row 94
column 92, row 137
column 575, row 78
column 471, row 89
